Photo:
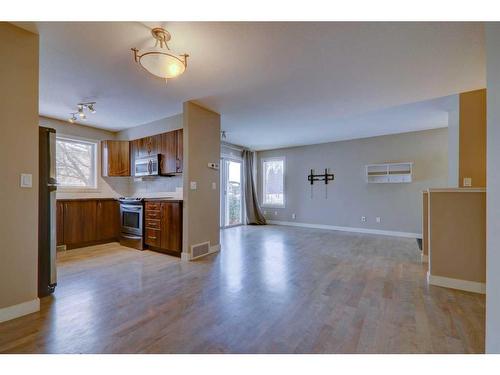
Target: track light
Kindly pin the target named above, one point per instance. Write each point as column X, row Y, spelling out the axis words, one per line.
column 81, row 111
column 73, row 118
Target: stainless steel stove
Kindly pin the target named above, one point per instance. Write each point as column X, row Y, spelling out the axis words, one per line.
column 132, row 222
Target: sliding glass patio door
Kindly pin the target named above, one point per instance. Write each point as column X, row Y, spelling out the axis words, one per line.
column 231, row 193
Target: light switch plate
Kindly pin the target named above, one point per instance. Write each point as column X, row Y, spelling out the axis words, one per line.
column 467, row 182
column 26, row 180
column 377, row 219
column 214, row 186
column 193, row 185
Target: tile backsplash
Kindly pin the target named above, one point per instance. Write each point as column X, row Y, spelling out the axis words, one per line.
column 148, row 185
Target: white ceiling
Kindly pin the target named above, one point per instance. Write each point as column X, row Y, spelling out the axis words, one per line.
column 275, row 84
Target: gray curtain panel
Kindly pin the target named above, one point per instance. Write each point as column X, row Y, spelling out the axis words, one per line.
column 252, row 210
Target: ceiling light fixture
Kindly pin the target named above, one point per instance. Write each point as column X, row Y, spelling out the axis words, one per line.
column 160, row 60
column 81, row 111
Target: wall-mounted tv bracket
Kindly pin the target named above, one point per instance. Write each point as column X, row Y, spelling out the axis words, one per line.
column 320, row 177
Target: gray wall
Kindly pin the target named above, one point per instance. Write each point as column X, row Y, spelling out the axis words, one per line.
column 493, row 196
column 349, row 196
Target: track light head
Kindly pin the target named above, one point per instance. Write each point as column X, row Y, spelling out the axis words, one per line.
column 73, row 118
column 91, row 108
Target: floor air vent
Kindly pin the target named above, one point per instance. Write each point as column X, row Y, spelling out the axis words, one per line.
column 200, row 249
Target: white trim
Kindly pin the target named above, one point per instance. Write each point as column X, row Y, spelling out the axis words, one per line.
column 15, row 311
column 189, row 257
column 457, row 190
column 348, row 229
column 447, row 282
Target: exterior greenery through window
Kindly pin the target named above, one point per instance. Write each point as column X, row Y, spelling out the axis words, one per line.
column 76, row 163
column 273, row 179
column 234, row 193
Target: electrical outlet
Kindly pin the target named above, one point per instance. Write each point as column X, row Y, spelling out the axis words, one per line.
column 363, row 219
column 467, row 182
column 193, row 185
column 293, row 216
column 377, row 219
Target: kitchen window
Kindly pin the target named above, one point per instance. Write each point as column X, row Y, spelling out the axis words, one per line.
column 76, row 163
column 273, row 182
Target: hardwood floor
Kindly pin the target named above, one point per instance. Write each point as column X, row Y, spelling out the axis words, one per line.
column 270, row 290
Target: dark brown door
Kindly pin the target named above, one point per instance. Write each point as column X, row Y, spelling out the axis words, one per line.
column 115, row 158
column 168, row 150
column 79, row 222
column 171, row 225
column 108, row 220
column 180, row 150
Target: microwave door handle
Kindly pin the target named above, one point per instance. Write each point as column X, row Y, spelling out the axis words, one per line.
column 150, row 167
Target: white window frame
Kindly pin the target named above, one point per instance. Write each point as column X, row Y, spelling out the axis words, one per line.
column 274, row 158
column 97, row 156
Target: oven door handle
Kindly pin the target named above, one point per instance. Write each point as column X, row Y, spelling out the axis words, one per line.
column 131, row 237
column 131, row 208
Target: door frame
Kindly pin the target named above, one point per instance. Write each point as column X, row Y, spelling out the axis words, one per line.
column 223, row 191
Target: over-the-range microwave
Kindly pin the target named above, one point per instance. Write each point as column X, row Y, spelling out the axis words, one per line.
column 149, row 166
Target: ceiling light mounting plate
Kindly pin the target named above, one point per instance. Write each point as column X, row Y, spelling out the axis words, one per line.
column 160, row 34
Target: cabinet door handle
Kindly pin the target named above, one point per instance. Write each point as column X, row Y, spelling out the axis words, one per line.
column 152, row 238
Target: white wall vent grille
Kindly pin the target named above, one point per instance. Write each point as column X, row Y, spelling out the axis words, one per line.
column 200, row 249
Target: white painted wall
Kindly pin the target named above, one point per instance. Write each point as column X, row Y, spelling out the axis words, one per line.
column 493, row 190
column 152, row 128
column 349, row 196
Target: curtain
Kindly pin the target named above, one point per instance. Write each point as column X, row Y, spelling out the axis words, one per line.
column 253, row 214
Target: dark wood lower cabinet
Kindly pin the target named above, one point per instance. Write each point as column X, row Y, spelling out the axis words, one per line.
column 164, row 226
column 83, row 222
column 108, row 220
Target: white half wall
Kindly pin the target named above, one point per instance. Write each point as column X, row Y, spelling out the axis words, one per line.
column 493, row 190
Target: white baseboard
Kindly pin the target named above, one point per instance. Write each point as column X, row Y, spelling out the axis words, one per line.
column 424, row 258
column 447, row 282
column 15, row 311
column 348, row 229
column 213, row 249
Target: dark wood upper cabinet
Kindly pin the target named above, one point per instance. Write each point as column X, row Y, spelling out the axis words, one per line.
column 107, row 220
column 169, row 145
column 146, row 147
column 115, row 158
column 180, row 150
column 168, row 151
